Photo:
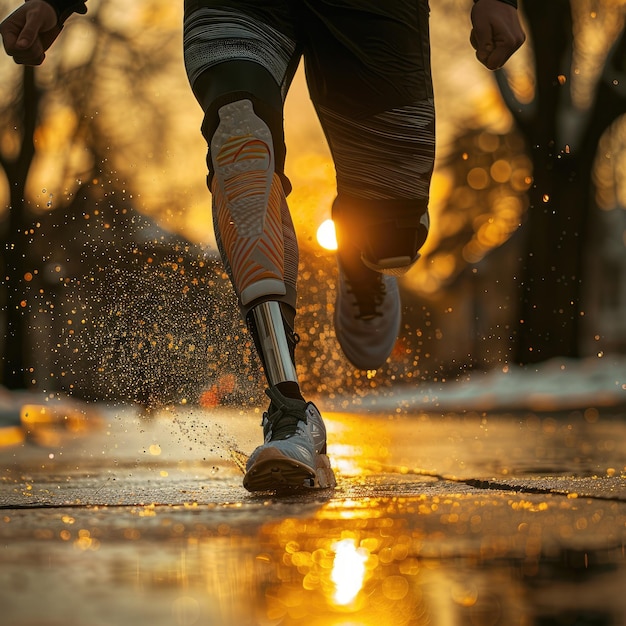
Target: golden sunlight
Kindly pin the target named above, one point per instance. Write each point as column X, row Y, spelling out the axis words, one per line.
column 348, row 571
column 326, row 235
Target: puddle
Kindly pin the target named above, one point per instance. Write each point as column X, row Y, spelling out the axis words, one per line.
column 432, row 560
column 436, row 521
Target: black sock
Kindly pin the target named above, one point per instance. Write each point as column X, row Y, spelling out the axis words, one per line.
column 290, row 389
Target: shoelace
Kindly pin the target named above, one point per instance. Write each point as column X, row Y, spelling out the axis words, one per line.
column 368, row 297
column 283, row 420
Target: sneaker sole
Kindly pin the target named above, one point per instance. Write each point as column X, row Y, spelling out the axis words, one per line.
column 274, row 471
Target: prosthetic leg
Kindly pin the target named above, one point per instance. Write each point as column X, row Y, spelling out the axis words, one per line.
column 240, row 69
column 274, row 345
column 258, row 245
column 255, row 233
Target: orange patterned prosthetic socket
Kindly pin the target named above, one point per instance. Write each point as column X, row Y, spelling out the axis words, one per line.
column 247, row 198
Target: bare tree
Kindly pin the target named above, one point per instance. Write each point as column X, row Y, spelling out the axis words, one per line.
column 562, row 135
column 21, row 123
column 81, row 118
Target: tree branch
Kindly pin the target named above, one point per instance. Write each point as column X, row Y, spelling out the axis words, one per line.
column 522, row 113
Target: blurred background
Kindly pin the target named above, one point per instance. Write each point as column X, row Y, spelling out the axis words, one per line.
column 111, row 288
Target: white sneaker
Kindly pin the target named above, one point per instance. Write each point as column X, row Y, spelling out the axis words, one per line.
column 294, row 453
column 367, row 319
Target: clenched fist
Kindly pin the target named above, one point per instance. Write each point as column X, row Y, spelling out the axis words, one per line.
column 29, row 31
column 496, row 33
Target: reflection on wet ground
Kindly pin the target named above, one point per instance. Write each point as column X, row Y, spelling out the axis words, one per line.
column 447, row 521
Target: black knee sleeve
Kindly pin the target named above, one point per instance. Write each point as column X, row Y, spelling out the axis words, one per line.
column 382, row 229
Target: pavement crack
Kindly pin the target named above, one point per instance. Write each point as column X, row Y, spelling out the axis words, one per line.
column 490, row 485
column 493, row 485
column 485, row 484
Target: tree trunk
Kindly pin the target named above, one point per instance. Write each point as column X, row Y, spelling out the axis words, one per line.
column 563, row 144
column 15, row 373
column 550, row 302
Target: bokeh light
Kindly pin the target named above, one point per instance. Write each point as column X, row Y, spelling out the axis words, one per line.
column 348, row 571
column 326, row 236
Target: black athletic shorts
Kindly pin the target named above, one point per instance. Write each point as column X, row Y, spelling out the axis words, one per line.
column 368, row 70
column 361, row 56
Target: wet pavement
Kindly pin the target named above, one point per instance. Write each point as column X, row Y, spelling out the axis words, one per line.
column 452, row 519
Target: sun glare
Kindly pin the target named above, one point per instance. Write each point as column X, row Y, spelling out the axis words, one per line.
column 348, row 571
column 326, row 235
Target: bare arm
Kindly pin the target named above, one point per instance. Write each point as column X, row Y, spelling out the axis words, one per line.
column 496, row 33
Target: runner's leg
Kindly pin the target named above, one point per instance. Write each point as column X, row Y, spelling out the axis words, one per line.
column 240, row 65
column 384, row 165
column 368, row 69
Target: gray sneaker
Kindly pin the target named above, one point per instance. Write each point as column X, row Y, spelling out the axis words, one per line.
column 294, row 453
column 367, row 319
